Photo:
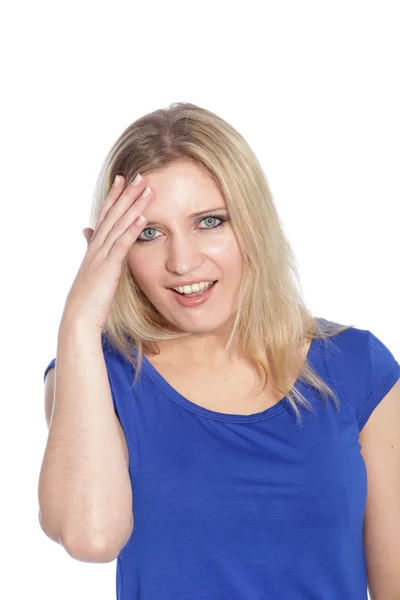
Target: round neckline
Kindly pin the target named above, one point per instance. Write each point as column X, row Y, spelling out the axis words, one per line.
column 178, row 398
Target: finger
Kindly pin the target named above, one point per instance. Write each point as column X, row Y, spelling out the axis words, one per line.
column 88, row 234
column 120, row 248
column 128, row 198
column 113, row 194
column 127, row 227
column 117, row 191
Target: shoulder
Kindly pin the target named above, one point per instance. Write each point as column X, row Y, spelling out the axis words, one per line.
column 363, row 367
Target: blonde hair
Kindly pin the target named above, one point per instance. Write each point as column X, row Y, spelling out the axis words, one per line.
column 272, row 321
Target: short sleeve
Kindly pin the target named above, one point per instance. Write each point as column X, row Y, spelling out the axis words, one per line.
column 51, row 365
column 364, row 369
column 382, row 372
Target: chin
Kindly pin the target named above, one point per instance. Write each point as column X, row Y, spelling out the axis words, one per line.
column 203, row 325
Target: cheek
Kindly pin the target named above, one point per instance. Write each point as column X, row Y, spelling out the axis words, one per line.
column 222, row 244
column 144, row 271
column 227, row 254
column 229, row 265
column 136, row 266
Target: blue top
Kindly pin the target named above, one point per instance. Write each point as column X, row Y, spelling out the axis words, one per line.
column 249, row 507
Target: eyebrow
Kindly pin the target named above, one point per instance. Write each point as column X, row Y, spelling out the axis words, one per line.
column 195, row 215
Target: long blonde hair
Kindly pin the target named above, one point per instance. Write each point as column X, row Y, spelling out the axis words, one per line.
column 272, row 321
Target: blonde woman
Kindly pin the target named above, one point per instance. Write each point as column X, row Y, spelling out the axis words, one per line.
column 205, row 429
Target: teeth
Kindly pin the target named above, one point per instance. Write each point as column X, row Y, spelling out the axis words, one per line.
column 196, row 287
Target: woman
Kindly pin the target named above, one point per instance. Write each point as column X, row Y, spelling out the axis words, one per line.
column 206, row 427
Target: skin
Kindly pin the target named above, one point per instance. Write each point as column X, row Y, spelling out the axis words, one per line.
column 183, row 249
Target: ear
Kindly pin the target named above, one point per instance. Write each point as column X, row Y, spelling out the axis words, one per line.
column 87, row 233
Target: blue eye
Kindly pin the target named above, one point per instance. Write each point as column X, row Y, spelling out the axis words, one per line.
column 221, row 218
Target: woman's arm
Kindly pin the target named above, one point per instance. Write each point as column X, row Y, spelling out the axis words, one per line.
column 85, row 494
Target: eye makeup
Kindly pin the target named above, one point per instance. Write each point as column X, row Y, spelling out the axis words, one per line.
column 222, row 218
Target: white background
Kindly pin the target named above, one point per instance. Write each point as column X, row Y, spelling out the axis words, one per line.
column 313, row 87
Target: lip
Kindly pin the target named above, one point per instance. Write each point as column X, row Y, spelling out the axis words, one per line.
column 194, row 300
column 190, row 283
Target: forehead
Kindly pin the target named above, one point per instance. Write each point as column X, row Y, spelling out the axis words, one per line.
column 184, row 184
column 181, row 176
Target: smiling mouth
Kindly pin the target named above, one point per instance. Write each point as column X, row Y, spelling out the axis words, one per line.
column 199, row 293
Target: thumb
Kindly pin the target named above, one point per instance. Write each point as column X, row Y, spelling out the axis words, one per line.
column 87, row 233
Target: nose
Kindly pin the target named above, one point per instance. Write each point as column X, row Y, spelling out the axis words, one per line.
column 183, row 256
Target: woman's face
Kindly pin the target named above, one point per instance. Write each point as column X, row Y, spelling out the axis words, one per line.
column 181, row 248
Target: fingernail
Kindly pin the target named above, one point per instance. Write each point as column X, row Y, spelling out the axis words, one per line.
column 146, row 192
column 137, row 179
column 116, row 180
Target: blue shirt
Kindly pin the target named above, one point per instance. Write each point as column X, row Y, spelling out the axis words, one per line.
column 249, row 507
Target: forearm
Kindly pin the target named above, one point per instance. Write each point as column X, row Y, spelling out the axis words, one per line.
column 85, row 493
